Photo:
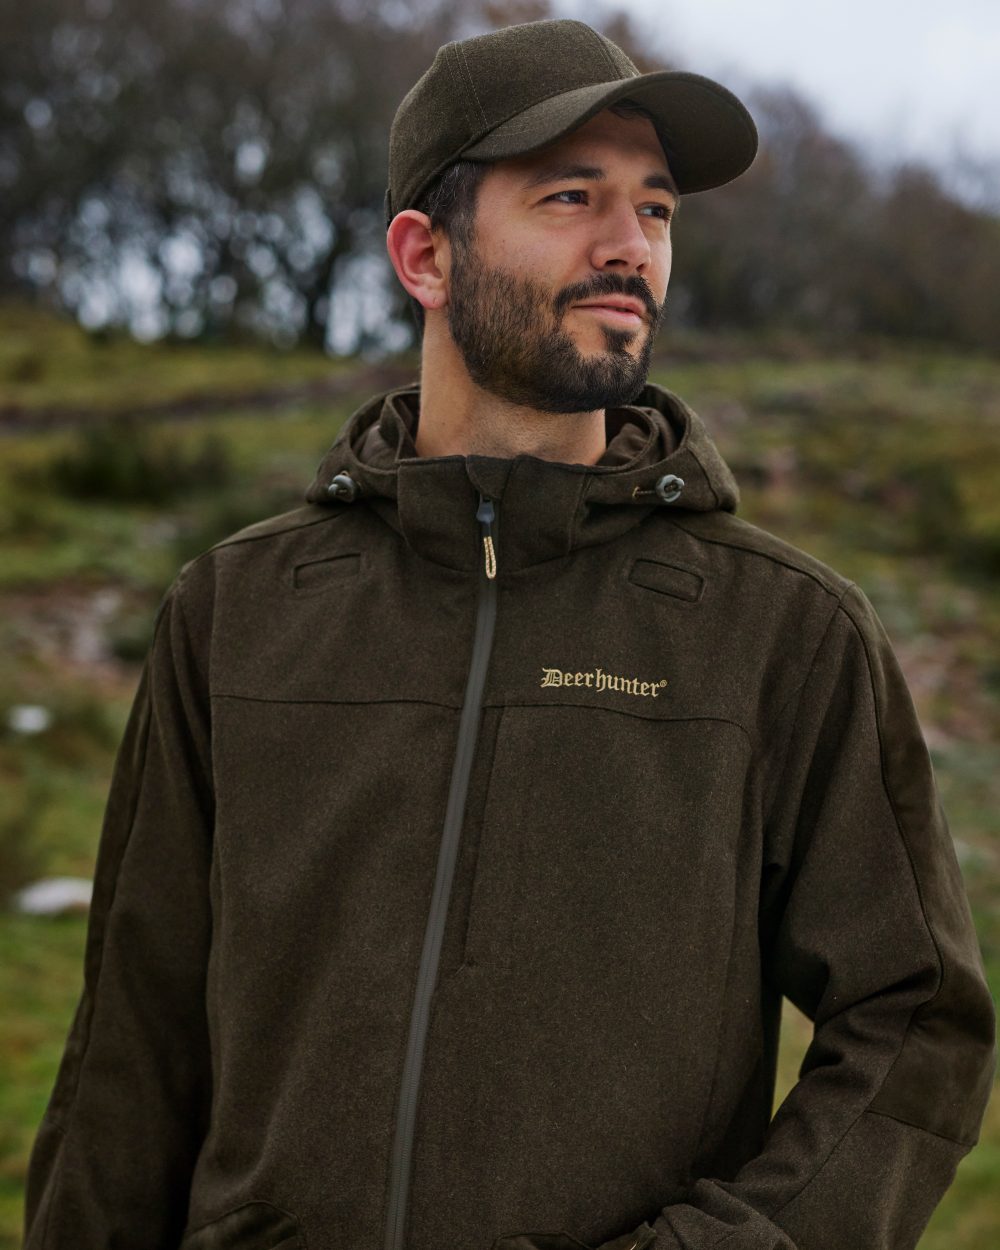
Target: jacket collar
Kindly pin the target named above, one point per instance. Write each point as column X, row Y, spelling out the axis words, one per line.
column 544, row 508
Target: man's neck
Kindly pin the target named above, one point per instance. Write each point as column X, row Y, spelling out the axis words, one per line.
column 457, row 417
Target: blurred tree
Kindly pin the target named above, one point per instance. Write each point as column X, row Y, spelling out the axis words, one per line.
column 814, row 238
column 229, row 155
column 215, row 167
column 937, row 264
column 770, row 248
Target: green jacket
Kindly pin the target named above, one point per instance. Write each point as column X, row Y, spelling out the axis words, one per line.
column 470, row 823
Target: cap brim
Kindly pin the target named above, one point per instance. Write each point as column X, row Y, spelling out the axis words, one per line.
column 708, row 136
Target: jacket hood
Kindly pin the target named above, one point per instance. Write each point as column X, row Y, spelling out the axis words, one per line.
column 658, row 455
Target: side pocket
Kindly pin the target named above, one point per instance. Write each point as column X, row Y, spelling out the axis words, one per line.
column 539, row 1241
column 252, row 1226
column 638, row 1239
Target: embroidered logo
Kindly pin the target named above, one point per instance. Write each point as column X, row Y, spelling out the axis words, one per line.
column 598, row 679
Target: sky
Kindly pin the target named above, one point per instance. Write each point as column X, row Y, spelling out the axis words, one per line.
column 900, row 79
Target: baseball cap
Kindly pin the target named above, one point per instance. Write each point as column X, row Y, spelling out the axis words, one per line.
column 519, row 88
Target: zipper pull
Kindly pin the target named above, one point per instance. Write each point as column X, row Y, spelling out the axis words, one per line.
column 486, row 516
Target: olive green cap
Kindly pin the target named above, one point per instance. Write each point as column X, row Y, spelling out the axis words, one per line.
column 520, row 88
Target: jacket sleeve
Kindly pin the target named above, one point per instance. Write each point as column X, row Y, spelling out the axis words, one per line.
column 866, row 927
column 112, row 1160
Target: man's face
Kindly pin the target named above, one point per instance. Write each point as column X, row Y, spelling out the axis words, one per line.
column 540, row 251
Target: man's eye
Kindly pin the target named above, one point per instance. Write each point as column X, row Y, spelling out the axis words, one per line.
column 663, row 212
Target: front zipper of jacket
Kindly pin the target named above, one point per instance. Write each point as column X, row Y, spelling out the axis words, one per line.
column 468, row 734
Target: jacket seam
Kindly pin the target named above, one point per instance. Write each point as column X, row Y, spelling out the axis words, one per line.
column 958, row 1141
column 454, row 707
column 764, row 754
column 256, row 698
column 796, row 692
column 826, row 585
column 181, row 582
column 622, row 711
column 234, row 541
column 850, row 1129
column 208, row 774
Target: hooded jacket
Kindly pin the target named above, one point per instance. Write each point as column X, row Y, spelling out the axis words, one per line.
column 469, row 825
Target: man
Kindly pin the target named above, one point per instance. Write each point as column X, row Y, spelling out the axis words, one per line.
column 473, row 819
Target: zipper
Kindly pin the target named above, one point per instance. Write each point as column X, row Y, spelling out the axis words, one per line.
column 468, row 734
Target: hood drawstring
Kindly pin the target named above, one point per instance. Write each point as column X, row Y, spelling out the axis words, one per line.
column 667, row 488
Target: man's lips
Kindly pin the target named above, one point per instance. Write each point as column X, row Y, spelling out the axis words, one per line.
column 627, row 313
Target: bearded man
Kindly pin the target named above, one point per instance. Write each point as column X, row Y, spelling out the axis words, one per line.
column 474, row 818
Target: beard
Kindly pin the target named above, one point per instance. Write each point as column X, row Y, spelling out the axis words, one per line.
column 509, row 332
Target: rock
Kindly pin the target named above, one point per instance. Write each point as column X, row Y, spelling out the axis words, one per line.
column 54, row 896
column 28, row 718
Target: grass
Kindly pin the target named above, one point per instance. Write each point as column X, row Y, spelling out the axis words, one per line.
column 47, row 362
column 45, row 537
column 883, row 464
column 41, row 975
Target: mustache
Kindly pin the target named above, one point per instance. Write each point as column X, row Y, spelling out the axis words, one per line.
column 610, row 286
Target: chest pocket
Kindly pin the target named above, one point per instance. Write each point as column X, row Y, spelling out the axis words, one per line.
column 671, row 580
column 327, row 573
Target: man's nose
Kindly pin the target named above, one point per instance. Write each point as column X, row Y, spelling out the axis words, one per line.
column 621, row 239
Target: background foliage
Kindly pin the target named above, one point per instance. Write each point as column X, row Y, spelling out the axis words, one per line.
column 142, row 185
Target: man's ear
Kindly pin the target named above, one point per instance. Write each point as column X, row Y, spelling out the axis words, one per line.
column 419, row 256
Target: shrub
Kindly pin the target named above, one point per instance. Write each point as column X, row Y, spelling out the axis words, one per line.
column 117, row 459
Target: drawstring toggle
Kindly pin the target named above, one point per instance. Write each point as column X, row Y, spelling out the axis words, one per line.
column 343, row 487
column 669, row 487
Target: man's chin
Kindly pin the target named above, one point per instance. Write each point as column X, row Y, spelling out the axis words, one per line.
column 630, row 343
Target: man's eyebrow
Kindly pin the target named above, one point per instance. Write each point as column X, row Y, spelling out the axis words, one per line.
column 567, row 172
